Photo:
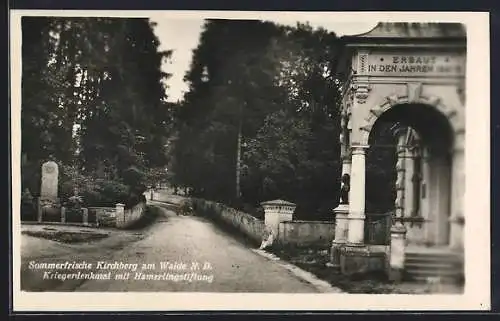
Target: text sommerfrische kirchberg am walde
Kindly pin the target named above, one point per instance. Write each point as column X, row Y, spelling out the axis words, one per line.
column 61, row 271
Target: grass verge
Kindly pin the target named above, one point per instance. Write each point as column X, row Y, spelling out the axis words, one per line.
column 66, row 236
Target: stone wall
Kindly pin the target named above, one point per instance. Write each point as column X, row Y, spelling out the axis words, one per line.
column 295, row 233
column 104, row 216
column 131, row 216
column 245, row 223
column 306, row 233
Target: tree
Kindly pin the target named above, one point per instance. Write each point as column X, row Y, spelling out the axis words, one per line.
column 93, row 95
column 250, row 80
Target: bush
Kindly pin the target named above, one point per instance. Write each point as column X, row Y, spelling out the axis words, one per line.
column 28, row 207
column 105, row 193
column 135, row 178
column 100, row 191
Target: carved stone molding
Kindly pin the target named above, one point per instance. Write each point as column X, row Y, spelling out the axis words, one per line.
column 361, row 92
column 362, row 63
column 434, row 101
column 392, row 100
column 414, row 91
column 376, row 111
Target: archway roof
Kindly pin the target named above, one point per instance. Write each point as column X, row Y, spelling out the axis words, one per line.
column 414, row 30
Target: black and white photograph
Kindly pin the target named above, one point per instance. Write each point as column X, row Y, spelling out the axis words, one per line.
column 165, row 153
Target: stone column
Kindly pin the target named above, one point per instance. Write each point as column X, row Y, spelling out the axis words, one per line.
column 409, row 201
column 356, row 217
column 398, row 230
column 63, row 214
column 400, row 178
column 120, row 214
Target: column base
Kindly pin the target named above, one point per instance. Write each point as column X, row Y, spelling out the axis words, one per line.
column 359, row 259
column 396, row 275
column 335, row 251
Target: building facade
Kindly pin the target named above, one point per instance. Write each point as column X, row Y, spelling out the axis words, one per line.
column 411, row 74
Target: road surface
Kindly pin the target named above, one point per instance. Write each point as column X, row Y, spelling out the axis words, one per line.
column 202, row 258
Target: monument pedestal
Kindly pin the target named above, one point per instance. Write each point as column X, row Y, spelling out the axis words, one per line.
column 397, row 252
column 48, row 206
column 341, row 213
column 359, row 259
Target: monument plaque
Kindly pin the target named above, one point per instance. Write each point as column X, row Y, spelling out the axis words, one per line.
column 414, row 64
column 50, row 172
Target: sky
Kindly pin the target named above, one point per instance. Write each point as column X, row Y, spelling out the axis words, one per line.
column 181, row 34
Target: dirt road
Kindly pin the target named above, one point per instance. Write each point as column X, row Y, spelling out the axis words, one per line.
column 187, row 253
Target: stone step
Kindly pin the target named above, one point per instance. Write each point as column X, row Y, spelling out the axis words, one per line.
column 424, row 266
column 436, row 272
column 432, row 265
column 428, row 261
column 423, row 258
column 433, row 254
column 443, row 277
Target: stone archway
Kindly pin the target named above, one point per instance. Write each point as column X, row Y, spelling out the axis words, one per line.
column 426, row 217
column 454, row 115
column 410, row 67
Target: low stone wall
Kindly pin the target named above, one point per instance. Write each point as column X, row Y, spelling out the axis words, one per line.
column 294, row 233
column 247, row 224
column 306, row 233
column 130, row 216
column 103, row 216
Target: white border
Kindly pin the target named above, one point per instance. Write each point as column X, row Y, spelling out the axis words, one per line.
column 477, row 203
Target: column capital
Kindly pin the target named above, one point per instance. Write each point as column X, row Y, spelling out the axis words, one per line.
column 359, row 149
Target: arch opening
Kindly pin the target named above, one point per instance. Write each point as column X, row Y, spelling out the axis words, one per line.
column 433, row 128
column 408, row 170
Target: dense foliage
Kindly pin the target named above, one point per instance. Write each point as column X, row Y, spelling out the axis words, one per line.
column 259, row 121
column 93, row 100
column 261, row 116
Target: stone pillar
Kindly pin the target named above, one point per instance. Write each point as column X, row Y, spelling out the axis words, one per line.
column 398, row 230
column 85, row 216
column 275, row 212
column 397, row 251
column 400, row 178
column 341, row 213
column 120, row 213
column 457, row 220
column 356, row 217
column 63, row 214
column 409, row 192
column 39, row 210
column 341, row 223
